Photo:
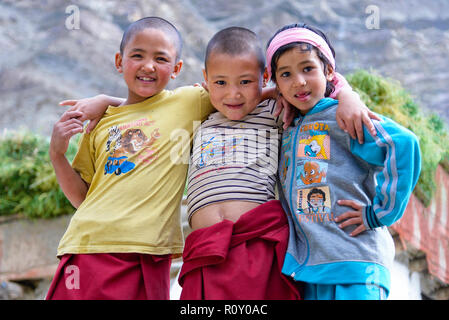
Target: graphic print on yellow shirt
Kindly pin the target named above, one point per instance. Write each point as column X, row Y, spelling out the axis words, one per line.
column 124, row 142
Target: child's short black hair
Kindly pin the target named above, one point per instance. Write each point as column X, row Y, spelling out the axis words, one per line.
column 153, row 23
column 316, row 191
column 304, row 47
column 236, row 41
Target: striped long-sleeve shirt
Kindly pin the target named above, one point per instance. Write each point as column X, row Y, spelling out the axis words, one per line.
column 234, row 160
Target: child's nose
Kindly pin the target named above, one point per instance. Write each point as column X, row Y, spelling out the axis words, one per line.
column 148, row 66
column 300, row 81
column 234, row 92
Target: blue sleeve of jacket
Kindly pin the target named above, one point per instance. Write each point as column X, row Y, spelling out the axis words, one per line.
column 395, row 150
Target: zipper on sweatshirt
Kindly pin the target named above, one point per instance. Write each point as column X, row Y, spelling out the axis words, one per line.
column 293, row 189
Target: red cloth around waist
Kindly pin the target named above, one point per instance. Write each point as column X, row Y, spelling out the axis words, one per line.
column 111, row 276
column 241, row 260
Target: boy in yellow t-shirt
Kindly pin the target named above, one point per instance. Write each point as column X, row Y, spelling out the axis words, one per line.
column 128, row 176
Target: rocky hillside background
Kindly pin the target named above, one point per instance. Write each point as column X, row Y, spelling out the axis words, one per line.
column 43, row 59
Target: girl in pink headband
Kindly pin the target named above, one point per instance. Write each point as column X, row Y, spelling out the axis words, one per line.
column 294, row 35
column 338, row 223
column 352, row 117
column 300, row 52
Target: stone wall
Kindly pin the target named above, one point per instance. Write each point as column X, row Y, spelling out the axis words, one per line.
column 28, row 255
column 424, row 235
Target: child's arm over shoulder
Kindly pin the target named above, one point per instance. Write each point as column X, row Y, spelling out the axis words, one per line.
column 93, row 108
column 73, row 186
column 396, row 151
column 352, row 113
column 199, row 100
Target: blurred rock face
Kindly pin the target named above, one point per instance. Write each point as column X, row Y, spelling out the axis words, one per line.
column 46, row 56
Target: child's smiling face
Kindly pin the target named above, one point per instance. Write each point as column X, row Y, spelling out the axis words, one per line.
column 301, row 79
column 234, row 83
column 147, row 64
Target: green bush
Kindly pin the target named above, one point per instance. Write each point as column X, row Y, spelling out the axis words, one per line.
column 387, row 97
column 28, row 185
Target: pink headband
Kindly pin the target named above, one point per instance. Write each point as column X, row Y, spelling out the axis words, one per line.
column 298, row 35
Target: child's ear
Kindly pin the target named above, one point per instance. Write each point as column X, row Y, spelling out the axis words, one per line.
column 176, row 69
column 265, row 78
column 205, row 75
column 118, row 62
column 330, row 74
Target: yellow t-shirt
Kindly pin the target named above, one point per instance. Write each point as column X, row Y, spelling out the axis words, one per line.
column 136, row 163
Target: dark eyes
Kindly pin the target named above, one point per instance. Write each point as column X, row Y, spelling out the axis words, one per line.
column 222, row 82
column 306, row 70
column 159, row 59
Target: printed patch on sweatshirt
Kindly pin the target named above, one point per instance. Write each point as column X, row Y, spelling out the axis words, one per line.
column 314, row 201
column 309, row 172
column 314, row 141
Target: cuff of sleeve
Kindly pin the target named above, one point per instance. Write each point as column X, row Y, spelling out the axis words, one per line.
column 86, row 177
column 369, row 218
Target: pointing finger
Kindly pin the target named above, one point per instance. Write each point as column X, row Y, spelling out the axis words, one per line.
column 68, row 102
